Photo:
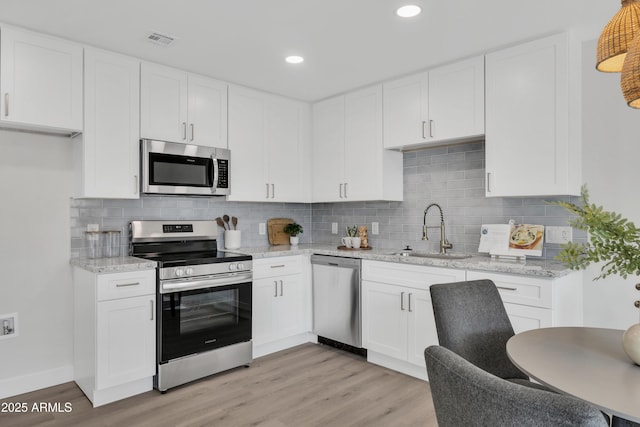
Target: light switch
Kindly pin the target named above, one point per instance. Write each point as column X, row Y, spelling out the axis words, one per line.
column 334, row 228
column 375, row 229
column 262, row 228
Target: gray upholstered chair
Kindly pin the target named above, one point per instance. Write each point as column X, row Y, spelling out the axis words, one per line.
column 471, row 321
column 465, row 395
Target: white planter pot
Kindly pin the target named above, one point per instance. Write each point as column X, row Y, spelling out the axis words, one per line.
column 293, row 240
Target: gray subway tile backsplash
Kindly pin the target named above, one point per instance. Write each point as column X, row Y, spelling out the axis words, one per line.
column 451, row 176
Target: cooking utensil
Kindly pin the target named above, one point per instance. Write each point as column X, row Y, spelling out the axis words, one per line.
column 220, row 223
column 234, row 221
column 226, row 219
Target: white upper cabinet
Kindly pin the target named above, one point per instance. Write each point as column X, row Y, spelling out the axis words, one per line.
column 443, row 104
column 349, row 161
column 40, row 81
column 269, row 143
column 178, row 106
column 529, row 151
column 109, row 151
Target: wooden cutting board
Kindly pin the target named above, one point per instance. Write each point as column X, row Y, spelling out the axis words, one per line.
column 275, row 227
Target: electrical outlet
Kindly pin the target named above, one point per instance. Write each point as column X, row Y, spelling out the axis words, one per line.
column 9, row 325
column 262, row 229
column 93, row 227
column 375, row 228
column 334, row 228
column 558, row 235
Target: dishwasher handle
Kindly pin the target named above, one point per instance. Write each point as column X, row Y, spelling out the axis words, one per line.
column 336, row 261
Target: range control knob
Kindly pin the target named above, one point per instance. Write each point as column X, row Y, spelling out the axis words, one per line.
column 189, row 271
column 179, row 272
column 240, row 266
column 232, row 267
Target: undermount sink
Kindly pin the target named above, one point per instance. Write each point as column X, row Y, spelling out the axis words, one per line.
column 432, row 255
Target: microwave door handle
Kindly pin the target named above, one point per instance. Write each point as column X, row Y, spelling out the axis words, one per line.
column 215, row 172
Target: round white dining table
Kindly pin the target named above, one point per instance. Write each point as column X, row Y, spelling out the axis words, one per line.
column 588, row 363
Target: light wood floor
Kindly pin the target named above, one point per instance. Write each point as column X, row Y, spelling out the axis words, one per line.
column 309, row 385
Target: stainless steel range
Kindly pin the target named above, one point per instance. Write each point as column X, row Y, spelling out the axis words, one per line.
column 204, row 300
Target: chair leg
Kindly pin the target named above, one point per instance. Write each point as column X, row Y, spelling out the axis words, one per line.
column 621, row 422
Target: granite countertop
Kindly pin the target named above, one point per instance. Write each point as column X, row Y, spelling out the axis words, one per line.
column 113, row 265
column 540, row 268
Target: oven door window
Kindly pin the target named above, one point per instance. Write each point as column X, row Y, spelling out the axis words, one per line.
column 204, row 319
column 170, row 169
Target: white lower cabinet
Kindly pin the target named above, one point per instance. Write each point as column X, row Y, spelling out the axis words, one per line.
column 397, row 316
column 533, row 302
column 114, row 334
column 281, row 303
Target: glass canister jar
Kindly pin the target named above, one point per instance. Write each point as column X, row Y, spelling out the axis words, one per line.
column 94, row 244
column 112, row 243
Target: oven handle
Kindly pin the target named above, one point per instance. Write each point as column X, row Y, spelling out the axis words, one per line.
column 188, row 285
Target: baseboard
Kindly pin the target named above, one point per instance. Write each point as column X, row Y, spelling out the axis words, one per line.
column 26, row 383
column 397, row 365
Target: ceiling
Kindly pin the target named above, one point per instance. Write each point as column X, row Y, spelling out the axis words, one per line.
column 346, row 43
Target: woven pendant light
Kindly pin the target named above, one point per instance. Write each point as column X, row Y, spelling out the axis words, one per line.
column 630, row 77
column 616, row 37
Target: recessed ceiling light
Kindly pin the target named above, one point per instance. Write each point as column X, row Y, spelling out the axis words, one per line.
column 294, row 59
column 408, row 11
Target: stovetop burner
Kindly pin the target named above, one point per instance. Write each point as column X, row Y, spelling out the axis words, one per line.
column 193, row 258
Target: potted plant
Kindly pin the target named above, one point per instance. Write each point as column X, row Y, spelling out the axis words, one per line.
column 613, row 240
column 293, row 230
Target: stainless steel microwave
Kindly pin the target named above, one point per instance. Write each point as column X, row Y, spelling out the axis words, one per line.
column 184, row 169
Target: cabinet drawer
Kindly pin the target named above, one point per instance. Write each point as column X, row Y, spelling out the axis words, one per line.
column 279, row 266
column 416, row 276
column 125, row 285
column 519, row 289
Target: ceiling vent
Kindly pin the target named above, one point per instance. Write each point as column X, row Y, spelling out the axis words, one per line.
column 160, row 39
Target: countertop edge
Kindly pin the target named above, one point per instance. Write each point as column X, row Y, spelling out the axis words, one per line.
column 113, row 265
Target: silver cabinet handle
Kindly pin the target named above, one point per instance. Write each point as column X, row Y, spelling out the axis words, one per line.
column 410, row 302
column 135, row 184
column 281, row 288
column 275, row 284
column 507, row 289
column 488, row 182
column 192, row 134
column 273, row 191
column 267, row 184
column 6, row 104
column 345, row 190
column 122, row 285
column 184, row 130
column 151, row 301
column 431, row 128
column 402, row 301
column 278, row 266
column 341, row 188
column 424, row 129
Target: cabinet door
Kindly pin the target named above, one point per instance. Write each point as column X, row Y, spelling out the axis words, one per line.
column 110, row 163
column 284, row 144
column 328, row 150
column 456, row 100
column 405, row 111
column 163, row 103
column 422, row 325
column 363, row 168
column 207, row 112
column 524, row 318
column 247, row 145
column 527, row 138
column 126, row 343
column 265, row 292
column 40, row 80
column 384, row 319
column 290, row 305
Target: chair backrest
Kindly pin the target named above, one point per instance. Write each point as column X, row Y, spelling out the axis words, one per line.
column 471, row 321
column 465, row 395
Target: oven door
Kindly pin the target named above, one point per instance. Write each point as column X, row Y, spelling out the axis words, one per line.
column 195, row 321
column 173, row 168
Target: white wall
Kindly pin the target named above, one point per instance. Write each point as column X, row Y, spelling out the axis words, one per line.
column 611, row 158
column 35, row 184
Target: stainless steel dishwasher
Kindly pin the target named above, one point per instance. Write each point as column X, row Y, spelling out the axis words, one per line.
column 336, row 300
